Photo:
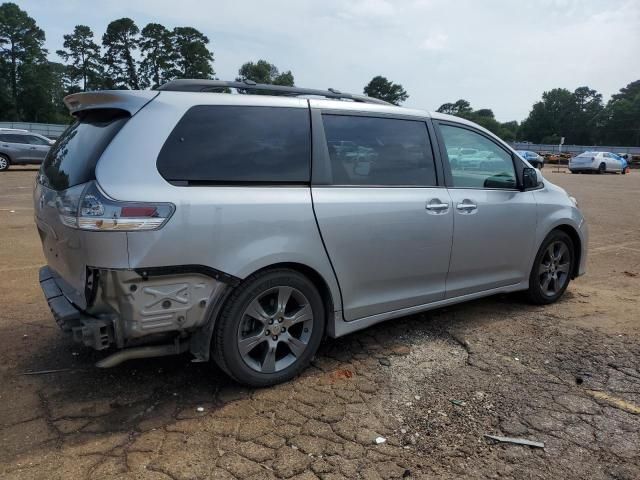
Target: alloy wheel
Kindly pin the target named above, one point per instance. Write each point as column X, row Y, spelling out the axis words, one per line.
column 554, row 269
column 3, row 163
column 275, row 329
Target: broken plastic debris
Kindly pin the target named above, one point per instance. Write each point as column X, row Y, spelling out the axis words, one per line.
column 517, row 441
column 200, row 409
column 380, row 440
column 417, row 397
column 459, row 403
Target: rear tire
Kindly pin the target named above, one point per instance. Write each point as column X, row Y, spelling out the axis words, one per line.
column 624, row 171
column 552, row 269
column 4, row 163
column 269, row 329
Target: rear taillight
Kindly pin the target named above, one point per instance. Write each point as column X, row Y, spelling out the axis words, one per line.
column 86, row 208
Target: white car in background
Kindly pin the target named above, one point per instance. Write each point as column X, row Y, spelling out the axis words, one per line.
column 600, row 162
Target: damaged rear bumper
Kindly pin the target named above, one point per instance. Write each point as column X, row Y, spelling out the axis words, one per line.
column 91, row 331
column 173, row 309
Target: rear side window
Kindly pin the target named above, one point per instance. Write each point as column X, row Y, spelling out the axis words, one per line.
column 238, row 144
column 379, row 151
column 73, row 158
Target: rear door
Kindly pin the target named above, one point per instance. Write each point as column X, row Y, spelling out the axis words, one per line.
column 383, row 211
column 38, row 148
column 494, row 222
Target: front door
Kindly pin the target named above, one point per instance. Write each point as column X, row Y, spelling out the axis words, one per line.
column 494, row 222
column 385, row 220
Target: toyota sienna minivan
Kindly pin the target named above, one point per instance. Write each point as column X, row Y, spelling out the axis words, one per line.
column 246, row 227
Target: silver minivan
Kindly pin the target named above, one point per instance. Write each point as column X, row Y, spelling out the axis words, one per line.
column 246, row 227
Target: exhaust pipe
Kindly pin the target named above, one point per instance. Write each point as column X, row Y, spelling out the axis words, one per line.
column 143, row 352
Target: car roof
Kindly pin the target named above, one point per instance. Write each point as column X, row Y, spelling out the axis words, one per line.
column 13, row 130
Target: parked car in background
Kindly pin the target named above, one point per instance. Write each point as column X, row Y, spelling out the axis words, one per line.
column 22, row 147
column 245, row 228
column 600, row 162
column 533, row 158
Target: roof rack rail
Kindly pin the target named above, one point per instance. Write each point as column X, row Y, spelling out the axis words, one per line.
column 193, row 85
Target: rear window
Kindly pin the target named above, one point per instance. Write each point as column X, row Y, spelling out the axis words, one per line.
column 72, row 160
column 238, row 144
column 587, row 154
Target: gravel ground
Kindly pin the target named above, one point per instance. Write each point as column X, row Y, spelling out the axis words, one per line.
column 432, row 384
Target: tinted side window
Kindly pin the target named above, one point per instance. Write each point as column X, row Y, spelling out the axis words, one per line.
column 13, row 138
column 227, row 144
column 33, row 140
column 379, row 151
column 477, row 162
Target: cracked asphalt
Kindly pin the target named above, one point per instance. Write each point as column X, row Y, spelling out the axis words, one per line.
column 431, row 384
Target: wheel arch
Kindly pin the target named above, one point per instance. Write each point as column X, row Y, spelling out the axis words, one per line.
column 577, row 245
column 201, row 339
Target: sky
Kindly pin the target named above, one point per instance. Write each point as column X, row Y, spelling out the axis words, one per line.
column 498, row 54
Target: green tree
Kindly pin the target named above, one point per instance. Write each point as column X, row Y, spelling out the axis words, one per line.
column 577, row 116
column 84, row 55
column 41, row 91
column 621, row 125
column 159, row 56
column 460, row 108
column 588, row 116
column 193, row 57
column 551, row 118
column 380, row 87
column 21, row 43
column 121, row 42
column 264, row 72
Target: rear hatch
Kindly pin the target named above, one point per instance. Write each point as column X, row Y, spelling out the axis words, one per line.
column 66, row 173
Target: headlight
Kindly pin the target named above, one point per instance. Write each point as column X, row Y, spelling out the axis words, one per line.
column 573, row 200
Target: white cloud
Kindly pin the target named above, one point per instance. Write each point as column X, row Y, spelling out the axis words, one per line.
column 437, row 41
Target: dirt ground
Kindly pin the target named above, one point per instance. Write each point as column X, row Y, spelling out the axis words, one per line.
column 432, row 384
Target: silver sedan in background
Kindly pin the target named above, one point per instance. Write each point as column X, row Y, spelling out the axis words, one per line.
column 600, row 162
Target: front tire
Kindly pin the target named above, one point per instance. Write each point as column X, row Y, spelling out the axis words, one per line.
column 552, row 269
column 269, row 329
column 602, row 168
column 4, row 163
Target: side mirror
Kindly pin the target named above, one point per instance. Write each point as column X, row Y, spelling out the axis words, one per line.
column 529, row 178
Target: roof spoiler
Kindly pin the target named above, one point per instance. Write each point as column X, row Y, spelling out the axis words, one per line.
column 128, row 100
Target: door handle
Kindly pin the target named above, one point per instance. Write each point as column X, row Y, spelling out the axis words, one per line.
column 436, row 205
column 466, row 206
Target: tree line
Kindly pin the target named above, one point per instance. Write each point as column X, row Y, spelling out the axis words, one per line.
column 127, row 57
column 581, row 117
